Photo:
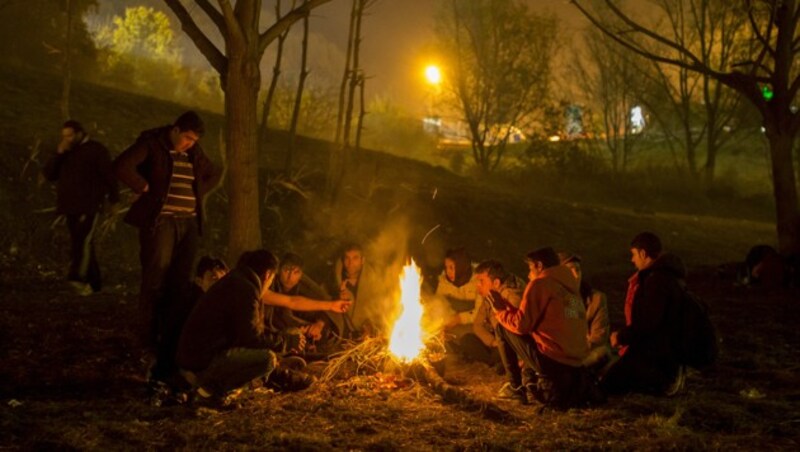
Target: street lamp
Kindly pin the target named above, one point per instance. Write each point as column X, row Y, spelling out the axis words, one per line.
column 433, row 75
column 432, row 122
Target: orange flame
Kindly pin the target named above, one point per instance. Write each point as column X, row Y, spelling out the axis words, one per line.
column 406, row 340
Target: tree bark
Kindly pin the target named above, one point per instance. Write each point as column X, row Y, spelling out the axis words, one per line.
column 241, row 94
column 787, row 211
column 66, row 81
column 298, row 99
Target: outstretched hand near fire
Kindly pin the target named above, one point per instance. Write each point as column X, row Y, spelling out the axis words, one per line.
column 340, row 306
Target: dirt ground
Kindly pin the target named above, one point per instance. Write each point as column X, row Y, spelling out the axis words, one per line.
column 70, row 378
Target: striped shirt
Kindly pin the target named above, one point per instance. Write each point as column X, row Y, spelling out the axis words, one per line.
column 180, row 197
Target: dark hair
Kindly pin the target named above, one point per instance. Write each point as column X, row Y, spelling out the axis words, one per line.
column 208, row 263
column 462, row 263
column 493, row 268
column 190, row 121
column 352, row 246
column 647, row 242
column 260, row 261
column 547, row 256
column 290, row 260
column 74, row 125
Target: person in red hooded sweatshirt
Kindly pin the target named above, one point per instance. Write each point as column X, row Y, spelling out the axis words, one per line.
column 548, row 331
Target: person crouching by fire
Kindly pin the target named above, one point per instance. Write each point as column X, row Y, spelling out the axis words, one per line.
column 322, row 328
column 456, row 292
column 225, row 342
column 354, row 279
column 548, row 331
column 484, row 343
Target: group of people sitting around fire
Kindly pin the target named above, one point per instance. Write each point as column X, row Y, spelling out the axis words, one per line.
column 550, row 336
column 263, row 320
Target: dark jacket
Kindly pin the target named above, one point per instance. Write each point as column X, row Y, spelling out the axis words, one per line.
column 84, row 178
column 653, row 310
column 147, row 162
column 229, row 315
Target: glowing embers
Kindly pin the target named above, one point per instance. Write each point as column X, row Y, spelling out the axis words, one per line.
column 406, row 341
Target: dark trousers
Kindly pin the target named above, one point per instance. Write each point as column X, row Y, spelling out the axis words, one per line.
column 508, row 356
column 472, row 348
column 83, row 265
column 640, row 370
column 167, row 254
column 235, row 368
column 556, row 384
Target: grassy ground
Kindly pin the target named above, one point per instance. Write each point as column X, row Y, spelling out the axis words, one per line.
column 69, row 370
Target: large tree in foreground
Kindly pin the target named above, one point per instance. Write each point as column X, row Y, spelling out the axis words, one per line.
column 497, row 58
column 768, row 77
column 238, row 66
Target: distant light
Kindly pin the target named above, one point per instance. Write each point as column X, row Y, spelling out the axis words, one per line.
column 433, row 74
column 554, row 138
column 763, row 129
column 767, row 92
column 637, row 120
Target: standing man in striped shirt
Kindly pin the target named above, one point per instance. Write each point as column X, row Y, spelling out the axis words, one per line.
column 168, row 171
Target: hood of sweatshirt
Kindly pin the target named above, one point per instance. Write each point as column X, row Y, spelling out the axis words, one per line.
column 564, row 276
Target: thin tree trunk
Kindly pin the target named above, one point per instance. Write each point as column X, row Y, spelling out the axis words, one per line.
column 362, row 112
column 273, row 84
column 66, row 83
column 298, row 99
column 338, row 156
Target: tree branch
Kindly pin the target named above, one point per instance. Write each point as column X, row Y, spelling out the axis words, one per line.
column 280, row 25
column 235, row 31
column 214, row 56
column 213, row 14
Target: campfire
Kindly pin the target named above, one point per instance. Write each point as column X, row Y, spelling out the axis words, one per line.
column 406, row 341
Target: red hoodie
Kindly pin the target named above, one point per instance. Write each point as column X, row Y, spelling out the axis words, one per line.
column 552, row 312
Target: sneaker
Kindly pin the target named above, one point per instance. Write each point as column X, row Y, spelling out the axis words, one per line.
column 511, row 392
column 203, row 398
column 284, row 379
column 678, row 384
column 158, row 393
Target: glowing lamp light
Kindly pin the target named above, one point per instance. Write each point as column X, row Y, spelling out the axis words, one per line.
column 433, row 75
column 406, row 340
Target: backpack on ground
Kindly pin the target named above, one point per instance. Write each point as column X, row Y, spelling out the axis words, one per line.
column 697, row 338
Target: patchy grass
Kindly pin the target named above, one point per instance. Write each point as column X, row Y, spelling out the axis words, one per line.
column 69, row 370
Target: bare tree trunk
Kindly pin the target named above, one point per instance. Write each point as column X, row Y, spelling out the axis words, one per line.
column 355, row 75
column 784, row 187
column 273, row 84
column 347, row 71
column 337, row 157
column 66, row 81
column 241, row 94
column 362, row 112
column 298, row 99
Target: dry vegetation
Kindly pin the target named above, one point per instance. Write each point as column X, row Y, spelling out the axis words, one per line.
column 70, row 376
